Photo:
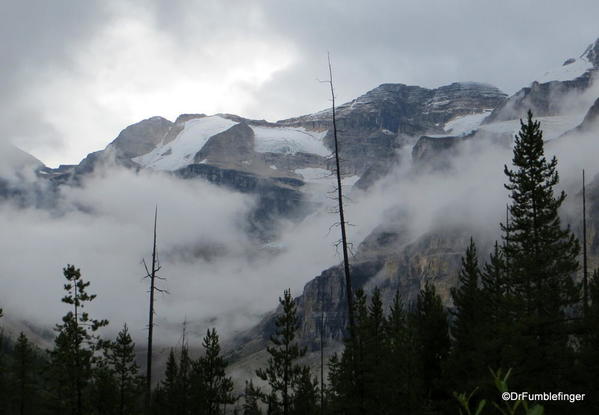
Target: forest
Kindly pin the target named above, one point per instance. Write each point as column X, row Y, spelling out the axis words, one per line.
column 523, row 319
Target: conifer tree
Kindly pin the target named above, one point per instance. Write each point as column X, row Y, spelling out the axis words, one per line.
column 468, row 358
column 23, row 386
column 184, row 379
column 542, row 260
column 211, row 388
column 283, row 369
column 170, row 385
column 431, row 327
column 305, row 399
column 72, row 358
column 402, row 385
column 121, row 358
column 252, row 397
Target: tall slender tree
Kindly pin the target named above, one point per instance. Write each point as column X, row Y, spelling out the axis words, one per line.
column 121, row 358
column 23, row 376
column 283, row 369
column 542, row 257
column 468, row 357
column 152, row 275
column 72, row 358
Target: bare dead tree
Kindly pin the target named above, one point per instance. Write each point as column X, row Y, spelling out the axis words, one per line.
column 152, row 275
column 585, row 282
column 342, row 222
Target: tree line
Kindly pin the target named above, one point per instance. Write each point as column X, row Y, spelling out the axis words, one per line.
column 519, row 320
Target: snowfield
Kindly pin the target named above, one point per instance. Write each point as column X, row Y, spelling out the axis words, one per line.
column 567, row 72
column 465, row 124
column 289, row 140
column 552, row 127
column 181, row 151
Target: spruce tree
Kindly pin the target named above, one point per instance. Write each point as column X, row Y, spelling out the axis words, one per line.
column 432, row 332
column 72, row 358
column 542, row 257
column 283, row 369
column 170, row 396
column 252, row 397
column 306, row 395
column 211, row 388
column 22, row 379
column 468, row 358
column 121, row 358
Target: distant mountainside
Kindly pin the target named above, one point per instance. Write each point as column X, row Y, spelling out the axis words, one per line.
column 284, row 165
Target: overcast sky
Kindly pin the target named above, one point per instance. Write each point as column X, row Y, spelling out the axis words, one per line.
column 74, row 73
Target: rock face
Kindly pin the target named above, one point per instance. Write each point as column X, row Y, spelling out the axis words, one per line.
column 552, row 97
column 374, row 125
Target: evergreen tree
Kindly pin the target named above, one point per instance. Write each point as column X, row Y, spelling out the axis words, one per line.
column 184, row 379
column 23, row 386
column 252, row 397
column 589, row 370
column 282, row 369
column 170, row 396
column 496, row 314
column 468, row 357
column 72, row 358
column 432, row 332
column 306, row 396
column 121, row 358
column 542, row 259
column 211, row 388
column 401, row 382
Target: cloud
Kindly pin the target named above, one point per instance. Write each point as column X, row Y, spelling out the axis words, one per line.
column 74, row 75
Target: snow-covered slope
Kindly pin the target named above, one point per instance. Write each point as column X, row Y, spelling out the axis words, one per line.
column 181, row 151
column 465, row 124
column 552, row 127
column 289, row 140
column 571, row 69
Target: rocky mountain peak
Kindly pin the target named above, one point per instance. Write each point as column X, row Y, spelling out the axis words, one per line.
column 592, row 53
column 141, row 138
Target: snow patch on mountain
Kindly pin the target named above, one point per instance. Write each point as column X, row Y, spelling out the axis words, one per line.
column 289, row 140
column 465, row 124
column 552, row 127
column 181, row 151
column 572, row 69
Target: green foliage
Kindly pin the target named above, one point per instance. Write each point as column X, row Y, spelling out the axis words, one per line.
column 283, row 371
column 211, row 388
column 74, row 355
column 504, row 408
column 542, row 260
column 252, row 397
column 120, row 357
column 467, row 362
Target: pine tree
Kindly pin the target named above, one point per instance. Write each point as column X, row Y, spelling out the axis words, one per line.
column 169, row 387
column 184, row 379
column 22, row 376
column 121, row 358
column 72, row 358
column 468, row 358
column 432, row 333
column 589, row 370
column 306, row 395
column 403, row 384
column 252, row 397
column 542, row 260
column 211, row 388
column 282, row 369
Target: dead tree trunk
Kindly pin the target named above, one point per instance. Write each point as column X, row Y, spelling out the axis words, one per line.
column 151, row 274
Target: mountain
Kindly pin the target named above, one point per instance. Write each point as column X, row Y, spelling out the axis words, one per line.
column 392, row 129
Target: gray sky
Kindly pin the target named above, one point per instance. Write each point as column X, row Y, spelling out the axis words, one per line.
column 75, row 73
